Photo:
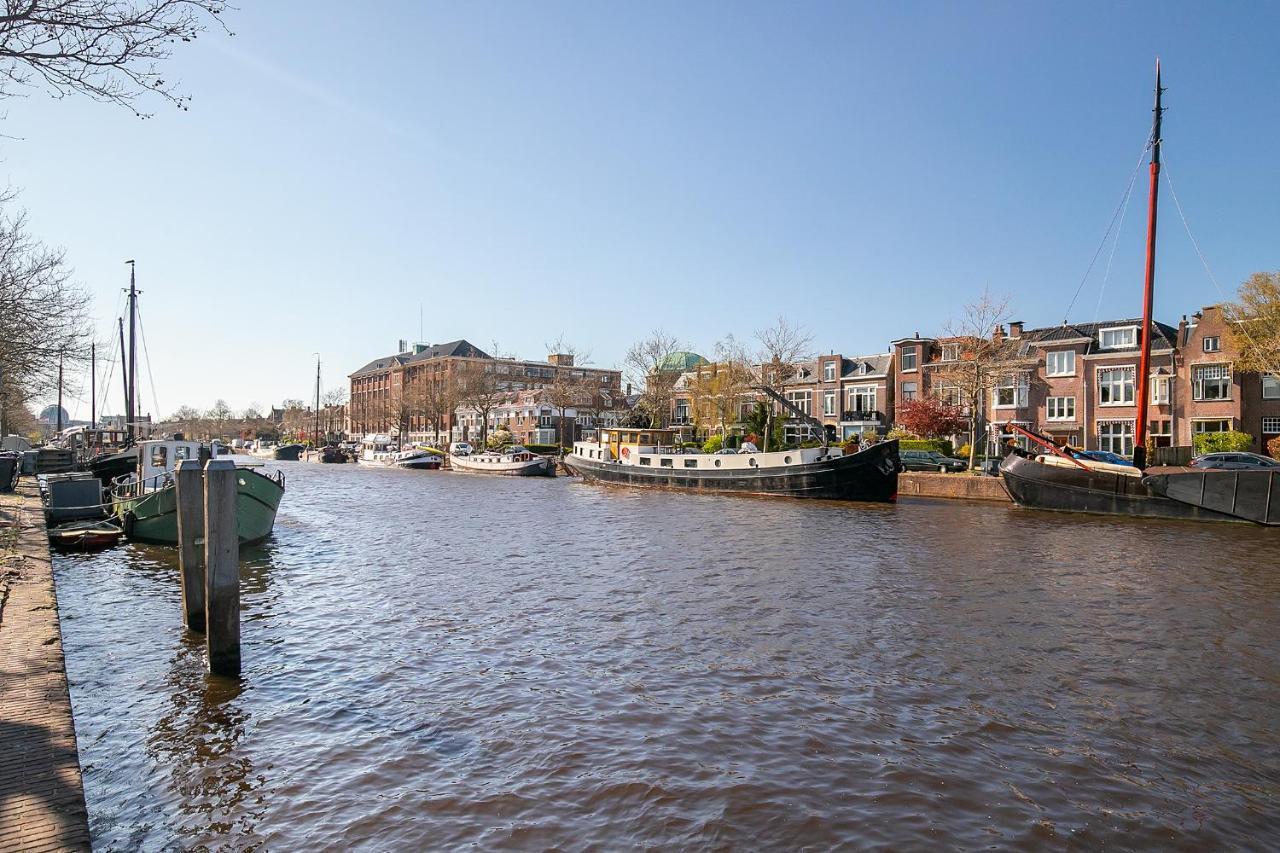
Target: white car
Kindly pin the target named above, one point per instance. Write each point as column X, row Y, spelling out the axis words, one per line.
column 460, row 448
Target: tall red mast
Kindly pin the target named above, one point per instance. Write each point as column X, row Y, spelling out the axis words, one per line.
column 1142, row 380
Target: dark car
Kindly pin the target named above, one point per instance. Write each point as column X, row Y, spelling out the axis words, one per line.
column 930, row 460
column 1234, row 461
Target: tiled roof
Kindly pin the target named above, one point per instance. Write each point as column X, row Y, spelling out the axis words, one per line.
column 877, row 365
column 454, row 349
column 1163, row 339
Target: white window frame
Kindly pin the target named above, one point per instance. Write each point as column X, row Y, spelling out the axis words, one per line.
column 1222, row 373
column 912, row 394
column 1154, row 430
column 1018, row 385
column 857, row 392
column 1124, row 435
column 829, row 371
column 914, row 354
column 802, row 400
column 828, row 403
column 1211, row 343
column 950, row 352
column 1274, row 428
column 1133, row 337
column 1160, row 390
column 1125, row 383
column 1271, row 383
column 1061, row 408
column 1071, row 362
column 1198, row 425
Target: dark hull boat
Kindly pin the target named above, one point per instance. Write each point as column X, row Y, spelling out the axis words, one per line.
column 287, row 453
column 871, row 475
column 106, row 467
column 1244, row 495
column 1038, row 485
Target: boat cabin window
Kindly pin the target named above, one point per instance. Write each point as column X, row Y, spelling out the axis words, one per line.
column 159, row 455
column 644, row 460
column 691, row 463
column 180, row 453
column 667, row 463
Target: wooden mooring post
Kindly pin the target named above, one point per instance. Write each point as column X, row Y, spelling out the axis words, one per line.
column 222, row 567
column 189, row 482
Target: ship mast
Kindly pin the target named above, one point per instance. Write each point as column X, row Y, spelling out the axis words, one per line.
column 1142, row 380
column 132, row 382
column 316, row 437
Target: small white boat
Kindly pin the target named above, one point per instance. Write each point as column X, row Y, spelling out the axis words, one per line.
column 513, row 461
column 418, row 459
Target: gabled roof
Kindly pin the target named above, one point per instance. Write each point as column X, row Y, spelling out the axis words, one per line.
column 379, row 364
column 877, row 365
column 1162, row 339
column 422, row 352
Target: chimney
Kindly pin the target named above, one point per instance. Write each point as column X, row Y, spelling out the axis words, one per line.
column 561, row 359
column 997, row 334
column 1182, row 331
column 1015, row 328
column 402, row 346
column 628, row 389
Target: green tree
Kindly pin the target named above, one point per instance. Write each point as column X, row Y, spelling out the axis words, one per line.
column 1254, row 330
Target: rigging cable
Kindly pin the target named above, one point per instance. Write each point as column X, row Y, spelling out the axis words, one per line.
column 1106, row 276
column 1120, row 206
column 150, row 378
column 1168, row 177
column 105, row 390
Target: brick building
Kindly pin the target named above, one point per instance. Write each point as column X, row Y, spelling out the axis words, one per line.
column 380, row 387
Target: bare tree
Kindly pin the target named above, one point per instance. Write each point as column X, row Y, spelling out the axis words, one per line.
column 109, row 50
column 334, row 401
column 651, row 365
column 479, row 388
column 783, row 348
column 566, row 390
column 219, row 415
column 719, row 389
column 985, row 357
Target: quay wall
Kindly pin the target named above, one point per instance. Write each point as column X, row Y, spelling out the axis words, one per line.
column 42, row 805
column 920, row 484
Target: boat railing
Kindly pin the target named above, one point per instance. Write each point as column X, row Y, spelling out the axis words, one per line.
column 129, row 486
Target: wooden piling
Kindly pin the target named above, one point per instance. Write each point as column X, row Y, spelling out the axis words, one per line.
column 189, row 482
column 222, row 567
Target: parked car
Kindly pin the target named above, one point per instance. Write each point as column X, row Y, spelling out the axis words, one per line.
column 1234, row 461
column 930, row 460
column 461, row 448
column 1103, row 456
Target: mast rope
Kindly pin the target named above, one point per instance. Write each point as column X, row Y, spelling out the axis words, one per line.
column 1115, row 243
column 150, row 378
column 111, row 369
column 1168, row 178
column 1121, row 206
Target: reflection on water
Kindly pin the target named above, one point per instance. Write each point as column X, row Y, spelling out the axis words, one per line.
column 437, row 660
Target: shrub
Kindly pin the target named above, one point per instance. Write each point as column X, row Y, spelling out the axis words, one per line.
column 543, row 449
column 850, row 445
column 900, row 433
column 1273, row 447
column 498, row 439
column 941, row 445
column 962, row 452
column 812, row 442
column 1221, row 442
column 711, row 445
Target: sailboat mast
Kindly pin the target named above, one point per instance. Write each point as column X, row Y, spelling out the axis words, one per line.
column 124, row 375
column 59, row 416
column 133, row 352
column 93, row 385
column 316, row 442
column 1143, row 380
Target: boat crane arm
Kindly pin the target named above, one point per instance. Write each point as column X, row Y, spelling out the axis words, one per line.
column 1044, row 442
column 795, row 410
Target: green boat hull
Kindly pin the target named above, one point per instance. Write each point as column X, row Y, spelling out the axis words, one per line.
column 153, row 517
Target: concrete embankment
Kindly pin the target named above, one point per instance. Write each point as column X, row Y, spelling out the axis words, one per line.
column 42, row 804
column 919, row 484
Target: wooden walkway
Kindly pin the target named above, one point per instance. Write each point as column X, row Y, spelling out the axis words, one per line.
column 42, row 803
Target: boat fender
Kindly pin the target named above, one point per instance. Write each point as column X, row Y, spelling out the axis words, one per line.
column 127, row 523
column 626, row 453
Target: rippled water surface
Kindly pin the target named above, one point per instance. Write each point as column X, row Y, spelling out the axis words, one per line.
column 436, row 660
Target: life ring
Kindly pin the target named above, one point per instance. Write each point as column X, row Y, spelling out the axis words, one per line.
column 626, row 453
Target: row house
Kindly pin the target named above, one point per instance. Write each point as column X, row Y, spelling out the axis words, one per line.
column 532, row 418
column 380, row 388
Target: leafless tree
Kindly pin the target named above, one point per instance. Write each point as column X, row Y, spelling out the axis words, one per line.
column 480, row 389
column 985, row 357
column 42, row 313
column 650, row 365
column 109, row 50
column 719, row 389
column 566, row 390
column 783, row 348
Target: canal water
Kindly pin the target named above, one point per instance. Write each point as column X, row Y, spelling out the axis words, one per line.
column 438, row 660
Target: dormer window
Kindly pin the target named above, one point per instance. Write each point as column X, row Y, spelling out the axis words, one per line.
column 1118, row 338
column 950, row 352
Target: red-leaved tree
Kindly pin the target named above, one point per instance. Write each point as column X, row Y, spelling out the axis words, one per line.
column 929, row 417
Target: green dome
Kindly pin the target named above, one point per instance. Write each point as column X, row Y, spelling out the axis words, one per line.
column 681, row 361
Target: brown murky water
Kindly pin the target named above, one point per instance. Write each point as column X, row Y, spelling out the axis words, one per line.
column 437, row 661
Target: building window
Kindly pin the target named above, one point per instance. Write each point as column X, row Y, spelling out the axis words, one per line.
column 1161, row 428
column 950, row 352
column 908, row 391
column 1116, row 436
column 1270, row 387
column 1270, row 426
column 909, row 359
column 1062, row 408
column 862, row 399
column 951, row 395
column 1010, row 391
column 1215, row 425
column 829, row 371
column 1159, row 390
column 1212, row 343
column 1211, row 382
column 1060, row 363
column 682, row 412
column 1120, row 338
column 828, row 402
column 799, row 399
column 1115, row 386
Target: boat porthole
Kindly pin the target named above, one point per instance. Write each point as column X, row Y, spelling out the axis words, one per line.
column 717, row 463
column 751, row 462
column 786, row 460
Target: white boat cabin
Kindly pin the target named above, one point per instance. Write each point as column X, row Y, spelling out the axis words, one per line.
column 157, row 460
column 656, row 448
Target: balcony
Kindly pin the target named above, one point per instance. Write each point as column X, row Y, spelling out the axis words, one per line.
column 862, row 416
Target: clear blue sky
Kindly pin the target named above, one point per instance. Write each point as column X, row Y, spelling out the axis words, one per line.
column 599, row 169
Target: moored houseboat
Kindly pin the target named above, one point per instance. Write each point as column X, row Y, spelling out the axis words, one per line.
column 514, row 461
column 649, row 457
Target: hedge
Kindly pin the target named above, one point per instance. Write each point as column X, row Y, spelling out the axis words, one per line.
column 543, row 449
column 941, row 445
column 1221, row 442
